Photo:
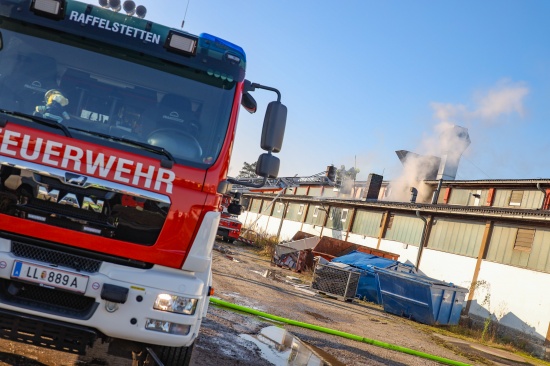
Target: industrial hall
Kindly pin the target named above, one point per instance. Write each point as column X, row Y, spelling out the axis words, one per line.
column 491, row 237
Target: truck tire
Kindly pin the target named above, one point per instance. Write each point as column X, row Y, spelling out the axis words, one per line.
column 172, row 356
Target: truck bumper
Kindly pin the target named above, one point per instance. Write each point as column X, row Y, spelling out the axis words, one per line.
column 131, row 317
column 43, row 332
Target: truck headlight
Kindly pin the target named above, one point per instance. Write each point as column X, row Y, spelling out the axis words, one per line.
column 167, row 327
column 175, row 304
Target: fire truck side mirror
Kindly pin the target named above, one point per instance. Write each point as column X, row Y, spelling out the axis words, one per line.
column 268, row 166
column 273, row 130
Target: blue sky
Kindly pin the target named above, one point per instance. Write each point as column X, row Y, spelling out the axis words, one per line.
column 362, row 79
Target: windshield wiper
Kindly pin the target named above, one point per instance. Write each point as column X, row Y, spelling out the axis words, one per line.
column 143, row 145
column 40, row 120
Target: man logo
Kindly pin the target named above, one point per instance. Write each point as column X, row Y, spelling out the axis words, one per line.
column 70, row 199
column 75, row 179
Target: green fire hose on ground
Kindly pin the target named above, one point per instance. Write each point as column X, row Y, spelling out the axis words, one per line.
column 338, row 333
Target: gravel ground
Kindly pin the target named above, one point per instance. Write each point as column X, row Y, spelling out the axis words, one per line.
column 231, row 338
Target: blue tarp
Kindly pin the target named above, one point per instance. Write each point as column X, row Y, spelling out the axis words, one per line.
column 368, row 287
column 365, row 261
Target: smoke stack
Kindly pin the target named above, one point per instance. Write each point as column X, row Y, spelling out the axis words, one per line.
column 331, row 173
column 414, row 193
column 425, row 166
column 372, row 189
column 456, row 140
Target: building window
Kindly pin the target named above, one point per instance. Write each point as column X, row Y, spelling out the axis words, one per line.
column 301, row 209
column 316, row 211
column 344, row 214
column 515, row 198
column 524, row 239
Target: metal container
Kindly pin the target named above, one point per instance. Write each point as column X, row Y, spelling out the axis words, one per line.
column 368, row 288
column 423, row 299
column 331, row 280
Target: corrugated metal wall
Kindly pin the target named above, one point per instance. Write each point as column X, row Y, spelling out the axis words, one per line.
column 405, row 229
column 531, row 199
column 338, row 218
column 295, row 212
column 278, row 209
column 256, row 204
column 367, row 223
column 315, row 191
column 301, row 191
column 290, row 191
column 483, row 198
column 459, row 197
column 315, row 215
column 460, row 237
column 501, row 249
column 465, row 197
column 457, row 237
column 539, row 258
column 329, row 192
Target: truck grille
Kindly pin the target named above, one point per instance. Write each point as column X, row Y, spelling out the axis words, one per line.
column 56, row 257
column 49, row 301
column 93, row 206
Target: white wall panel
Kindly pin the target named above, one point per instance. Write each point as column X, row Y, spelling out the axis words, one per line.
column 289, row 229
column 448, row 267
column 367, row 241
column 407, row 253
column 311, row 229
column 516, row 297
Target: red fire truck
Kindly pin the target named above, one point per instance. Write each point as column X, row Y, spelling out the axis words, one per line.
column 115, row 141
column 230, row 226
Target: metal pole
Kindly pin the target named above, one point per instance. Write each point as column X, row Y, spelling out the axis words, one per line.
column 283, row 216
column 421, row 245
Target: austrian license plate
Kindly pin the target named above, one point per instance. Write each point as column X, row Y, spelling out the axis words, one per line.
column 49, row 277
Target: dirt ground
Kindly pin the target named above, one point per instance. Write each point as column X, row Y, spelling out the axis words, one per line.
column 229, row 338
column 244, row 278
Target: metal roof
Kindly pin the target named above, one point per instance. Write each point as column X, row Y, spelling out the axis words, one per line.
column 487, row 212
column 518, row 182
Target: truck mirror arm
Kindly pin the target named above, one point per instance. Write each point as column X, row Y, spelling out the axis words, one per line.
column 247, row 184
column 249, row 86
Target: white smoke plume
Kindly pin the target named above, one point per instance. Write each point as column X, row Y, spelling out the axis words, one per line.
column 503, row 99
column 488, row 109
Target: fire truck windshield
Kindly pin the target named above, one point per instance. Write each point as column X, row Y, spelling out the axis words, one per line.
column 110, row 93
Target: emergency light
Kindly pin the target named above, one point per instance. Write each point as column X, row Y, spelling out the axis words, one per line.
column 129, row 7
column 141, row 11
column 49, row 8
column 181, row 43
column 115, row 5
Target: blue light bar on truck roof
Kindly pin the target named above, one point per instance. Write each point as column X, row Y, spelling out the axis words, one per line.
column 231, row 51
